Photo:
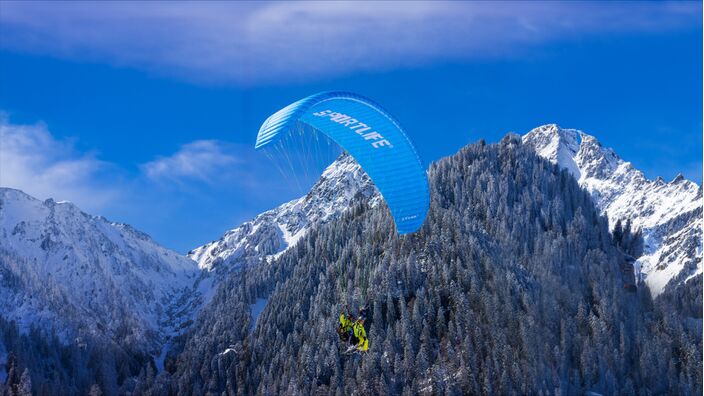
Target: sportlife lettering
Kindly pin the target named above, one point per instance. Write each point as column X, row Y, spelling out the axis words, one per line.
column 357, row 126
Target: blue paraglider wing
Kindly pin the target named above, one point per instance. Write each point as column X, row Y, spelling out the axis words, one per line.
column 375, row 140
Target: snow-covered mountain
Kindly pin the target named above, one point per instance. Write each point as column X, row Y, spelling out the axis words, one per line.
column 274, row 231
column 83, row 275
column 669, row 214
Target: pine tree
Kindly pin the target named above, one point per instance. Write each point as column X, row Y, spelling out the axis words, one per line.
column 25, row 385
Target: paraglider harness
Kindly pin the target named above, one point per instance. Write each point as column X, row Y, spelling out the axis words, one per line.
column 353, row 332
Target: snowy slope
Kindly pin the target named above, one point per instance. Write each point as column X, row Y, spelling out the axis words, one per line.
column 79, row 274
column 274, row 231
column 669, row 214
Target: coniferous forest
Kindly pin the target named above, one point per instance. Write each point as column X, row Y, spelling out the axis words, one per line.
column 514, row 285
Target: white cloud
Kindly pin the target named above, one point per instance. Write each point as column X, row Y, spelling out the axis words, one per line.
column 183, row 199
column 38, row 163
column 250, row 43
column 201, row 160
column 33, row 161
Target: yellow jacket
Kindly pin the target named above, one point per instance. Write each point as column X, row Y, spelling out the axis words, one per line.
column 345, row 323
column 361, row 335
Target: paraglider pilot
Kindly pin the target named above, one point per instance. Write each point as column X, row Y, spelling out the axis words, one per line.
column 361, row 335
column 353, row 331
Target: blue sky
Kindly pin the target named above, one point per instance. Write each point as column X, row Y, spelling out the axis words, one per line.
column 146, row 112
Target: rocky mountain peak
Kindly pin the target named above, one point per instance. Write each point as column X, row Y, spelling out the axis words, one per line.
column 669, row 214
column 85, row 275
column 557, row 145
column 274, row 231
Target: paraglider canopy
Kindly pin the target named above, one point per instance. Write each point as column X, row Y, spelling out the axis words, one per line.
column 373, row 137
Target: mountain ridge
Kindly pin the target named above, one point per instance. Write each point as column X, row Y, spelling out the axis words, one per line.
column 671, row 235
column 272, row 232
column 136, row 271
column 85, row 273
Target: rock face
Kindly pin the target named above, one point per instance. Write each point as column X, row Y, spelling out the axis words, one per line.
column 83, row 275
column 669, row 214
column 274, row 231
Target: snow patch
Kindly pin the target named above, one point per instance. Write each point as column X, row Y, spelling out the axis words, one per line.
column 257, row 308
column 230, row 349
column 159, row 360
